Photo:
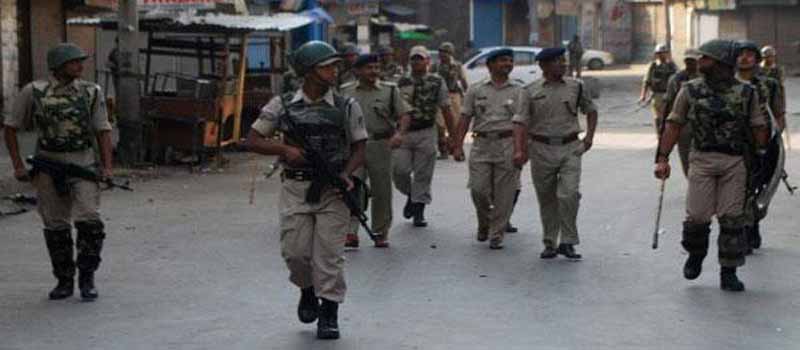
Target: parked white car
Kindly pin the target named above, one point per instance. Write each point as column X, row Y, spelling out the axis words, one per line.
column 525, row 67
column 596, row 59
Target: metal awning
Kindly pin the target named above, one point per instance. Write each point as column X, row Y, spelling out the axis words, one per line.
column 208, row 23
column 398, row 10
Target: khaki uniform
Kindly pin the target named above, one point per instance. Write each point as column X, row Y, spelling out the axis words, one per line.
column 685, row 139
column 382, row 106
column 346, row 76
column 775, row 72
column 656, row 79
column 452, row 74
column 312, row 234
column 717, row 173
column 415, row 159
column 492, row 173
column 549, row 110
column 291, row 82
column 391, row 72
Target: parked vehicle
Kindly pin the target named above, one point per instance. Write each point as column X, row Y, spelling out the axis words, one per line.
column 597, row 59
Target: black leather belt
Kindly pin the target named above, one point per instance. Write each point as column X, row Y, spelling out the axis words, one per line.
column 382, row 135
column 420, row 126
column 493, row 134
column 555, row 140
column 298, row 174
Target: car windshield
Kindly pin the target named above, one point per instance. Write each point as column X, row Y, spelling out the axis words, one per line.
column 473, row 54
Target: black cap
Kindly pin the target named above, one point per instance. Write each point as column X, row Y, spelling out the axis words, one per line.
column 365, row 59
column 550, row 54
column 502, row 51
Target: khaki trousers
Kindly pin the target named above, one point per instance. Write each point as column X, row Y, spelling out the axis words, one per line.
column 414, row 162
column 657, row 107
column 441, row 126
column 312, row 239
column 556, row 173
column 493, row 182
column 81, row 203
column 379, row 174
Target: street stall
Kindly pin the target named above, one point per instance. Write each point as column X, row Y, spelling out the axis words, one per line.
column 198, row 77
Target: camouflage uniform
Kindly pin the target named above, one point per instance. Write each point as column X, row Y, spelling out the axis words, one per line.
column 67, row 119
column 775, row 72
column 452, row 74
column 417, row 154
column 685, row 140
column 657, row 77
column 717, row 174
column 391, row 72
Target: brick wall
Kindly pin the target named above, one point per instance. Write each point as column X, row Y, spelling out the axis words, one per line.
column 9, row 66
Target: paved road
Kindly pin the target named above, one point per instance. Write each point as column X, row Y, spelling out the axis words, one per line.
column 189, row 264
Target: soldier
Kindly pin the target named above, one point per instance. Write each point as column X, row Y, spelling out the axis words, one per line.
column 455, row 77
column 771, row 102
column 722, row 111
column 575, row 49
column 415, row 159
column 769, row 66
column 69, row 115
column 387, row 121
column 349, row 56
column 673, row 86
column 490, row 104
column 312, row 231
column 547, row 115
column 655, row 82
column 390, row 71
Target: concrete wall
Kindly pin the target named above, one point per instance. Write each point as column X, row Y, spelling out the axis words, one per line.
column 47, row 30
column 84, row 36
column 517, row 23
column 9, row 66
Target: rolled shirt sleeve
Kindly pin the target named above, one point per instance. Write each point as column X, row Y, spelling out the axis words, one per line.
column 100, row 114
column 587, row 104
column 522, row 112
column 680, row 108
column 355, row 116
column 268, row 118
column 21, row 110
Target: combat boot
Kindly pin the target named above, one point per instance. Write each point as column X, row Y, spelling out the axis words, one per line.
column 419, row 215
column 695, row 241
column 408, row 209
column 59, row 246
column 328, row 324
column 754, row 236
column 548, row 253
column 568, row 251
column 693, row 266
column 308, row 308
column 728, row 280
column 509, row 227
column 89, row 244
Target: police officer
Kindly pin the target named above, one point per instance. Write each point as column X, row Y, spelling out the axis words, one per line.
column 455, row 77
column 769, row 66
column 415, row 159
column 547, row 116
column 771, row 102
column 489, row 107
column 387, row 121
column 673, row 86
column 69, row 115
column 721, row 110
column 390, row 71
column 655, row 82
column 312, row 232
column 575, row 49
column 349, row 56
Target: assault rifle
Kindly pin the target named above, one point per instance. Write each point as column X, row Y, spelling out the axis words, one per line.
column 61, row 172
column 324, row 171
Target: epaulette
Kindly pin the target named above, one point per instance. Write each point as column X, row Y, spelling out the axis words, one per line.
column 387, row 83
column 348, row 85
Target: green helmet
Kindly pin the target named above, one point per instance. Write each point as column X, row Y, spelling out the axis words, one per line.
column 720, row 50
column 749, row 45
column 349, row 49
column 311, row 54
column 447, row 47
column 63, row 53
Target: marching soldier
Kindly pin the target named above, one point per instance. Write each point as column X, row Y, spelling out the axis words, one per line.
column 69, row 115
column 771, row 102
column 547, row 116
column 349, row 56
column 769, row 66
column 722, row 111
column 390, row 71
column 455, row 77
column 655, row 82
column 489, row 107
column 312, row 231
column 673, row 86
column 415, row 158
column 387, row 121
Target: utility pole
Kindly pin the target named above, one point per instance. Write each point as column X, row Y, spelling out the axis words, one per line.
column 131, row 143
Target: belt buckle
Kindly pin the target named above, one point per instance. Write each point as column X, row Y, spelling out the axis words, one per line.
column 555, row 140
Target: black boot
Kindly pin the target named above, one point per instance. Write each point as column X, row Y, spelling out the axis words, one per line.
column 59, row 246
column 419, row 215
column 509, row 227
column 568, row 251
column 728, row 280
column 328, row 324
column 408, row 209
column 755, row 236
column 89, row 244
column 693, row 266
column 308, row 308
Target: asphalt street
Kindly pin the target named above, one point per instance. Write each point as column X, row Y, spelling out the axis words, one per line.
column 190, row 264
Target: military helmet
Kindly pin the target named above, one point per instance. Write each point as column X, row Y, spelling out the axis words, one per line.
column 63, row 53
column 311, row 54
column 661, row 48
column 749, row 45
column 447, row 47
column 768, row 51
column 721, row 50
column 349, row 49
